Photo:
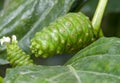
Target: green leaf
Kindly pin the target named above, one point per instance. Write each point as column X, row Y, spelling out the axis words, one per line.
column 44, row 13
column 102, row 65
column 7, row 3
column 1, row 4
column 58, row 74
column 103, row 45
column 3, row 55
column 3, row 61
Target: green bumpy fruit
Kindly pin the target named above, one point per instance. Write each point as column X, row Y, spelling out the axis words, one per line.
column 16, row 56
column 67, row 35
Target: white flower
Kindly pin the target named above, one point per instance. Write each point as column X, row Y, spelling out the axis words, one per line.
column 8, row 39
column 4, row 39
column 14, row 38
column 1, row 41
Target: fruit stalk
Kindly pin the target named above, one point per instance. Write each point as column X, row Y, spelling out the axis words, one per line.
column 97, row 18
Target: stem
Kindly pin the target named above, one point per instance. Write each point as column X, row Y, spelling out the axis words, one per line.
column 97, row 18
column 1, row 79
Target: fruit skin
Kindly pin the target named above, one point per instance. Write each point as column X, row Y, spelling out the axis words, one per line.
column 16, row 56
column 67, row 35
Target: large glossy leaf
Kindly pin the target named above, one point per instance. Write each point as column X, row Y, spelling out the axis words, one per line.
column 58, row 74
column 97, row 66
column 101, row 46
column 1, row 4
column 45, row 12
